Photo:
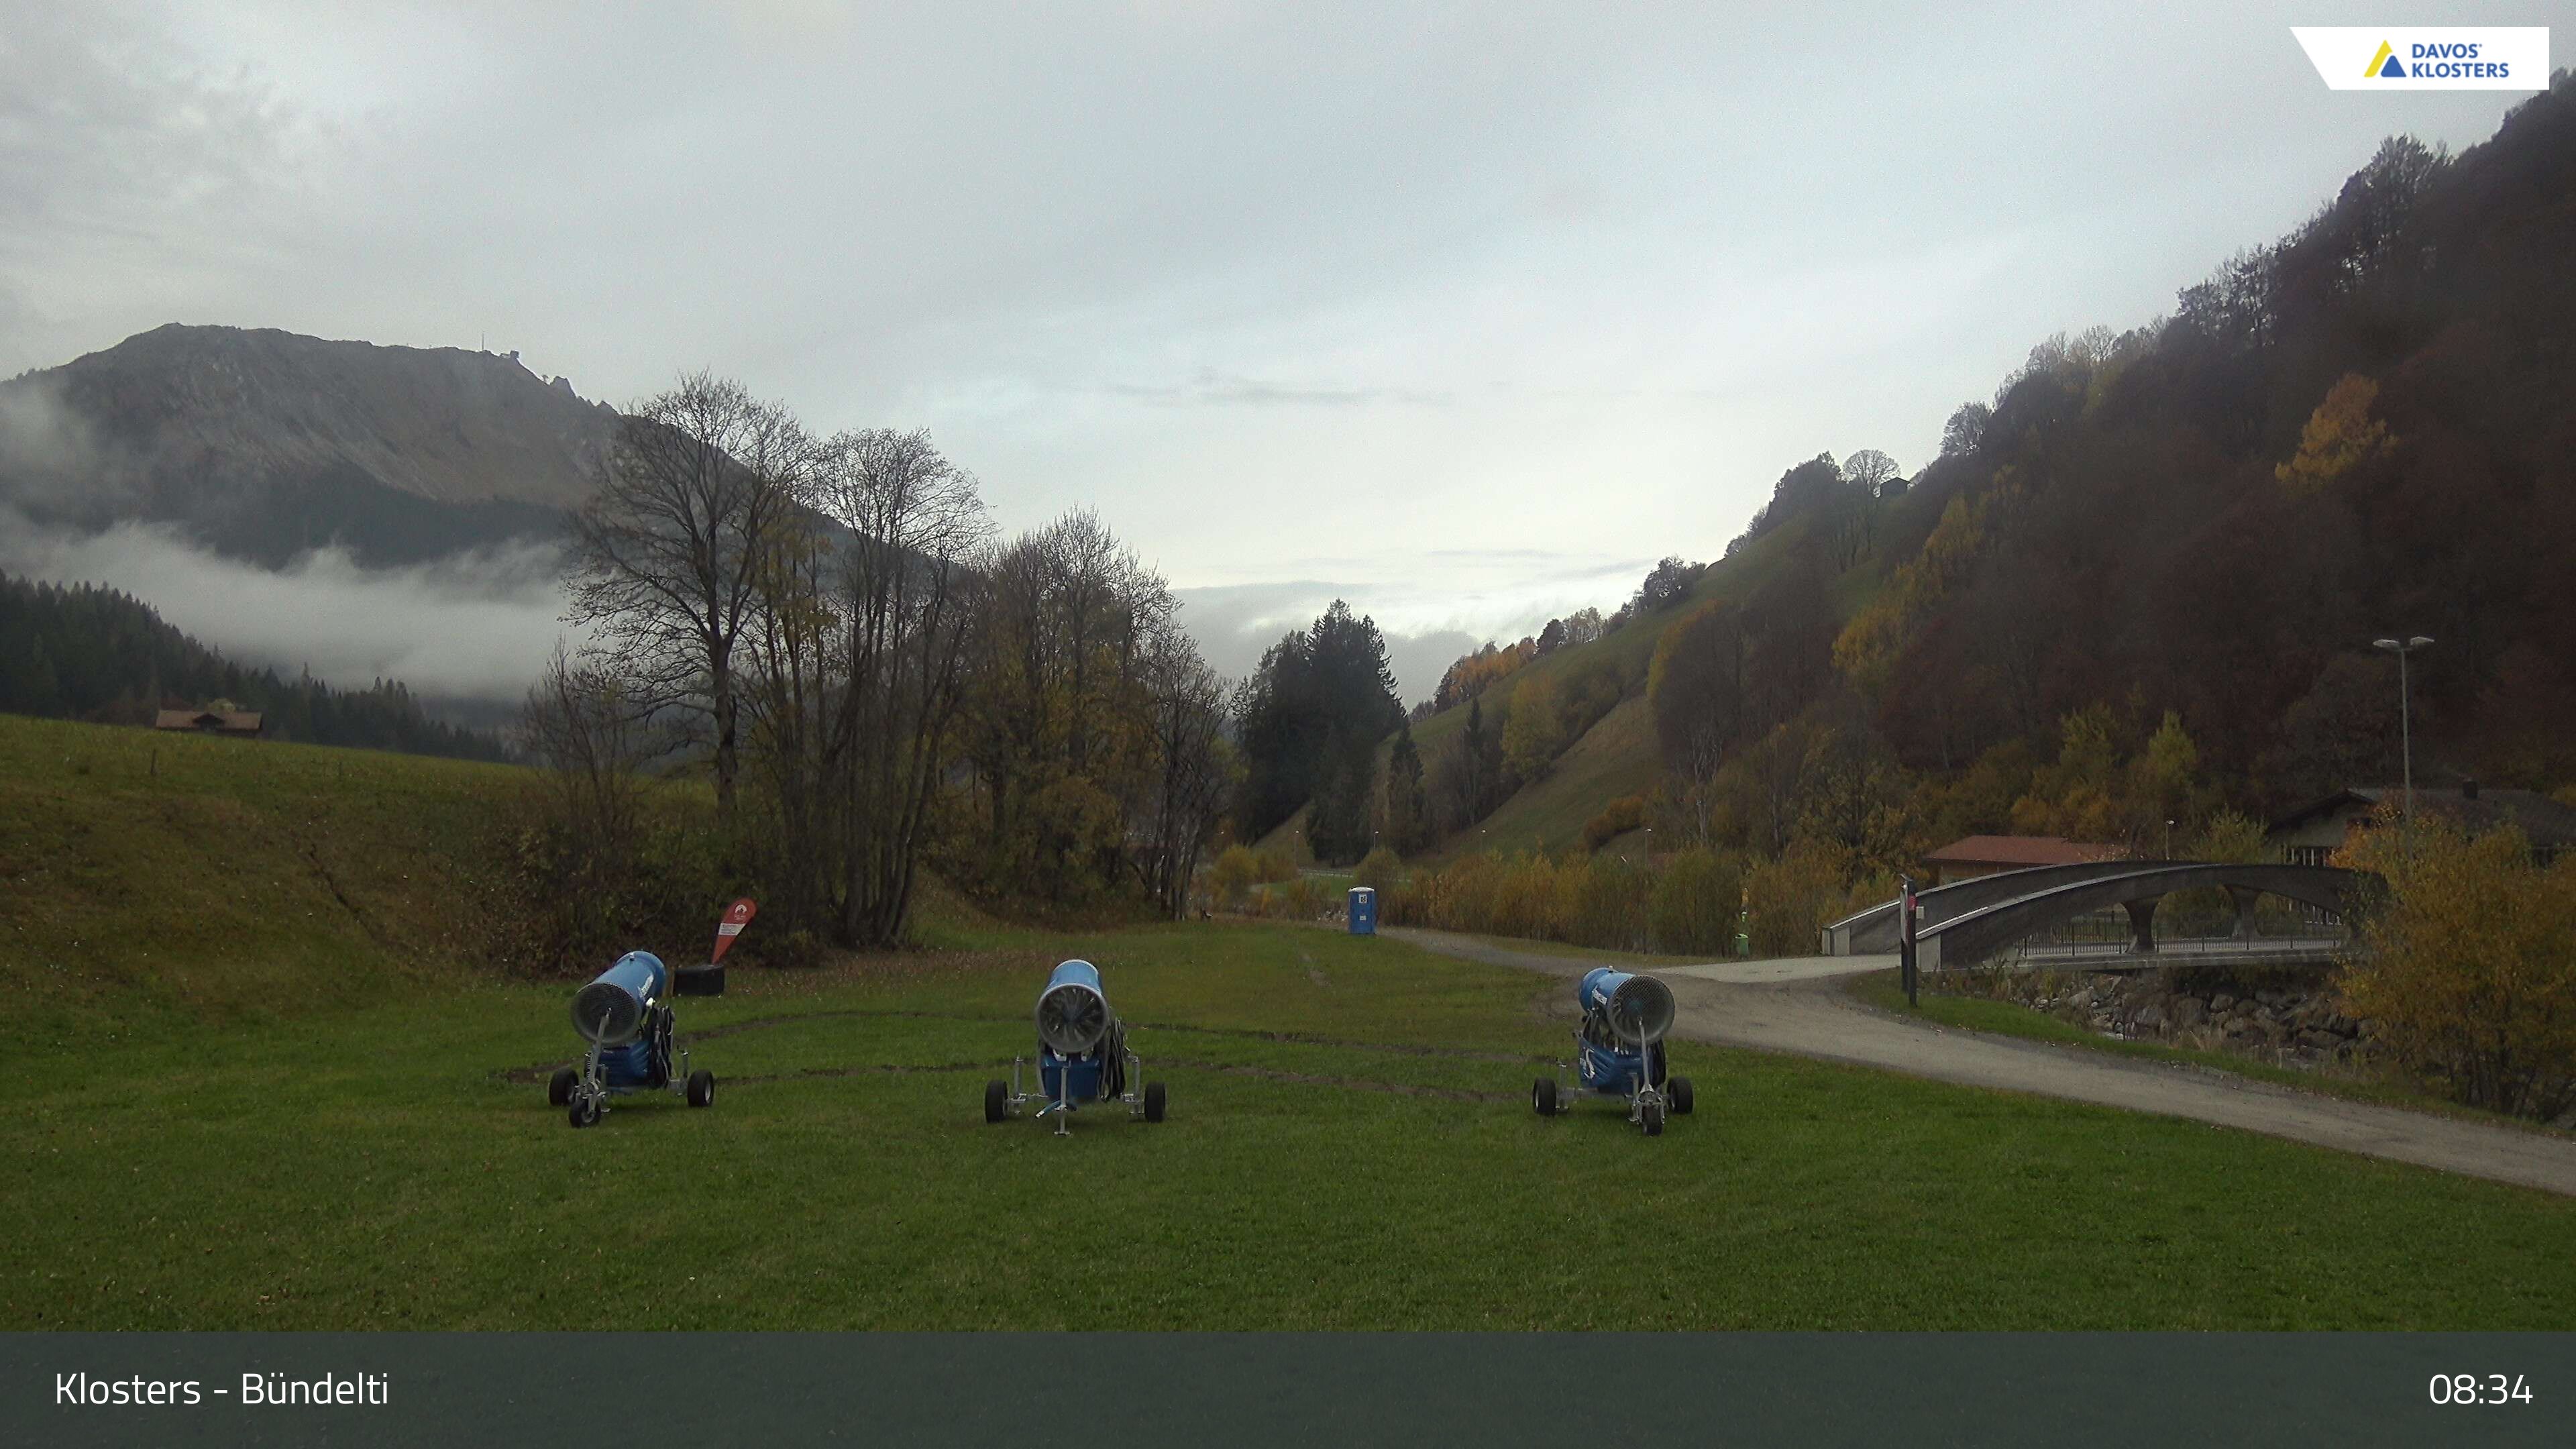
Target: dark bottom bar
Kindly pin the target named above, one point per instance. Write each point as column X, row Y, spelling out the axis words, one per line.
column 1121, row 1390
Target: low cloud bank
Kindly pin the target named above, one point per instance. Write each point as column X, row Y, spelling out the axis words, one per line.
column 1455, row 602
column 474, row 628
column 473, row 631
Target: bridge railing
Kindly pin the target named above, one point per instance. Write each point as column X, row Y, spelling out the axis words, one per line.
column 1976, row 935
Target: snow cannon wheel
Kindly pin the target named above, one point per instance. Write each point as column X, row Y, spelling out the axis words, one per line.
column 1154, row 1101
column 559, row 1086
column 585, row 1109
column 1543, row 1096
column 702, row 1089
column 997, row 1101
column 1651, row 1118
column 1679, row 1088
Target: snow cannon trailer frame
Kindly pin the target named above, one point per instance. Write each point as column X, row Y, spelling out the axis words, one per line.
column 1082, row 1057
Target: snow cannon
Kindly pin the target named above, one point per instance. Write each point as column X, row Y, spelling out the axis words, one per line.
column 1082, row 1057
column 625, row 1015
column 1619, row 1050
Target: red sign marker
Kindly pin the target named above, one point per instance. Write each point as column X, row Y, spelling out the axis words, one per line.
column 736, row 916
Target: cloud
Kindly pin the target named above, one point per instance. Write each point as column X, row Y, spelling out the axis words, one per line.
column 475, row 627
column 43, row 444
column 1210, row 387
column 1445, row 603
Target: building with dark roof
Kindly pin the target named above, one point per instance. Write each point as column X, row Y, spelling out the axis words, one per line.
column 241, row 723
column 2316, row 830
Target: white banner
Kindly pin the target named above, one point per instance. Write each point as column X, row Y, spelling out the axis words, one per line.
column 2428, row 57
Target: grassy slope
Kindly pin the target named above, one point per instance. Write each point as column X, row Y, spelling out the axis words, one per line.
column 1619, row 756
column 1350, row 1144
column 148, row 877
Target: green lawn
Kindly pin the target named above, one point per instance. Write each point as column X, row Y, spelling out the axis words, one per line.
column 1349, row 1146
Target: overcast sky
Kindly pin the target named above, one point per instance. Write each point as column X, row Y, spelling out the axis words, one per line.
column 1465, row 312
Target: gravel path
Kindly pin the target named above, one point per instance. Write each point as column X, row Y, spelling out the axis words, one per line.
column 1799, row 1006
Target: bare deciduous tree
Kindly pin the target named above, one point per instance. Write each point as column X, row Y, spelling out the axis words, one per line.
column 667, row 552
column 1198, row 774
column 905, row 592
column 580, row 726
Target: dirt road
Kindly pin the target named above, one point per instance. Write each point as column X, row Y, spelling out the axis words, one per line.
column 1800, row 1006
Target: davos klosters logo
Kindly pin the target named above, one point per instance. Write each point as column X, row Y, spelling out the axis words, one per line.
column 2451, row 58
column 2438, row 60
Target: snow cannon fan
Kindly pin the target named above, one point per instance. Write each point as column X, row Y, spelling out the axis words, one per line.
column 625, row 1015
column 1619, row 1050
column 1082, row 1056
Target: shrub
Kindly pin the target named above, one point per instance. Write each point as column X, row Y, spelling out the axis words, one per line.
column 1459, row 897
column 1231, row 879
column 1697, row 896
column 1377, row 870
column 1297, row 900
column 794, row 950
column 1525, row 900
column 572, row 906
column 1617, row 818
column 1606, row 903
column 2469, row 977
column 1794, row 898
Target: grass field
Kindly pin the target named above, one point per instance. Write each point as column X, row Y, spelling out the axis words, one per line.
column 1349, row 1146
column 1350, row 1143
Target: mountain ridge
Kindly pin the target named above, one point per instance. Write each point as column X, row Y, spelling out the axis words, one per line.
column 261, row 444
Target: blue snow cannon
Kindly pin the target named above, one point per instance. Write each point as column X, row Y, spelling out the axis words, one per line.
column 1082, row 1056
column 625, row 1014
column 1619, row 1049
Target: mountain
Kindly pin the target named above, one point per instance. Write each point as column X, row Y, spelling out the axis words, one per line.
column 261, row 445
column 2170, row 547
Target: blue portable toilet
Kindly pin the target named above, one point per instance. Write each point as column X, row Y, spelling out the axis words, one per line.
column 1363, row 911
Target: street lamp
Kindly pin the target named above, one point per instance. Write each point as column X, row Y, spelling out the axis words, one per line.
column 2405, row 712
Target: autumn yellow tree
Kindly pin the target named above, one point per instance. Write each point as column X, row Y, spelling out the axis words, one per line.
column 1793, row 898
column 2467, row 971
column 1869, row 646
column 2340, row 435
column 1535, row 731
column 2076, row 797
column 1696, row 899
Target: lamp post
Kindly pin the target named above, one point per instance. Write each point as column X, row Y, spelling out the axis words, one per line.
column 2405, row 710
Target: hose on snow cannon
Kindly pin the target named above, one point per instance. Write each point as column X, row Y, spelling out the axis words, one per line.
column 1619, row 1048
column 1082, row 1055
